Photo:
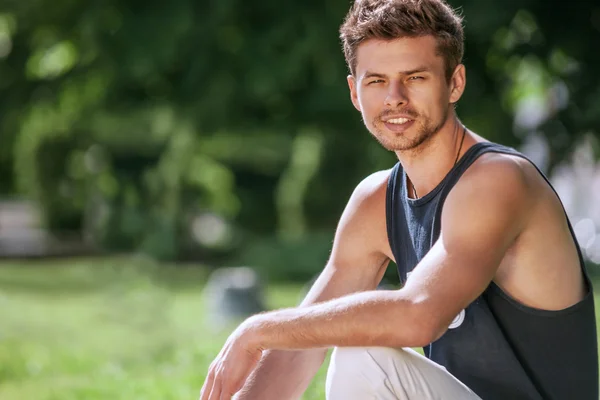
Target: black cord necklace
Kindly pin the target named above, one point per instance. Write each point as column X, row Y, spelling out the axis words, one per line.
column 455, row 161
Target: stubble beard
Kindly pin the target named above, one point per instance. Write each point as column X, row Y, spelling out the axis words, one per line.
column 399, row 142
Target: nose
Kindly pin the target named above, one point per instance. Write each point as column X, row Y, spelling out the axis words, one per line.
column 396, row 95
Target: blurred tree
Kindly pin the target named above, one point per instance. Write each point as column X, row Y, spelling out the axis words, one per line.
column 128, row 118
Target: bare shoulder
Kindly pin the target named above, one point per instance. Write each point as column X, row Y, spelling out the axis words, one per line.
column 367, row 203
column 501, row 172
column 499, row 179
column 497, row 192
column 373, row 185
column 362, row 226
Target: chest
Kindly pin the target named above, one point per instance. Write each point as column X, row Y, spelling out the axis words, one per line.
column 413, row 231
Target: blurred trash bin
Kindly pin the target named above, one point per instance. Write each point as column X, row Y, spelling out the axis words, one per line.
column 232, row 294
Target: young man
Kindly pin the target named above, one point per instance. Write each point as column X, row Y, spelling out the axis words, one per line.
column 497, row 293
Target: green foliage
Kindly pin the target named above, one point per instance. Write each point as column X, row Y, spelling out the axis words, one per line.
column 278, row 259
column 126, row 119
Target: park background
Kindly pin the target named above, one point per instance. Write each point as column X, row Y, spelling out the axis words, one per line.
column 145, row 144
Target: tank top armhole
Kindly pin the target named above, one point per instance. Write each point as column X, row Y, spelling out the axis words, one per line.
column 587, row 279
column 390, row 208
column 490, row 147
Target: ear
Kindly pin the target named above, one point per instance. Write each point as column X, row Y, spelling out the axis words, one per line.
column 458, row 83
column 353, row 92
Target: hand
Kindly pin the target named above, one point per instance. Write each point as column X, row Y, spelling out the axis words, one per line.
column 234, row 364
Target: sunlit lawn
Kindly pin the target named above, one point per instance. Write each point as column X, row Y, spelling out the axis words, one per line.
column 110, row 329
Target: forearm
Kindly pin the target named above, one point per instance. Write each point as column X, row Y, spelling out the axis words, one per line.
column 286, row 374
column 282, row 375
column 375, row 318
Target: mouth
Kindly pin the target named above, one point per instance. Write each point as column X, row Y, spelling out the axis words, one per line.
column 397, row 121
column 398, row 125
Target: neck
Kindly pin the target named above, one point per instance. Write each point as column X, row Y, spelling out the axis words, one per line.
column 427, row 165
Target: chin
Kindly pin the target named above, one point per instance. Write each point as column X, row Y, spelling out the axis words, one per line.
column 392, row 142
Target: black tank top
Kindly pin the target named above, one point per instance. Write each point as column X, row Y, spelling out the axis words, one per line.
column 497, row 346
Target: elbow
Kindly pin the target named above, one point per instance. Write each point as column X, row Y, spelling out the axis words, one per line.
column 421, row 325
column 430, row 334
column 423, row 334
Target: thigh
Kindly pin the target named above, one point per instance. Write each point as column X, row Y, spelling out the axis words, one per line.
column 390, row 374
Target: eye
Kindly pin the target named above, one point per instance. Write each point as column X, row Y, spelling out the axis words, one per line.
column 375, row 81
column 416, row 78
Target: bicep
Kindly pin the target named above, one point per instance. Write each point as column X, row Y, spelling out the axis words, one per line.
column 357, row 262
column 479, row 222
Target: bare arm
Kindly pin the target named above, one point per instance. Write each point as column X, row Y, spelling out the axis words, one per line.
column 481, row 218
column 356, row 264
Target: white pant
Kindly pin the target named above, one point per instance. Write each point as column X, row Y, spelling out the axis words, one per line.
column 380, row 373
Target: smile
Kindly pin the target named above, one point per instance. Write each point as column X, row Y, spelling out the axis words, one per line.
column 397, row 120
column 398, row 125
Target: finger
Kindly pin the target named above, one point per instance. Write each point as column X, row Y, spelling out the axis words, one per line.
column 226, row 393
column 215, row 393
column 234, row 382
column 208, row 384
column 205, row 392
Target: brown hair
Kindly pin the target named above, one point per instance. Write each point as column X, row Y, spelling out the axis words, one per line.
column 393, row 19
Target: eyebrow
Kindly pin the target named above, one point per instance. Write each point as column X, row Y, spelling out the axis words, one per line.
column 371, row 74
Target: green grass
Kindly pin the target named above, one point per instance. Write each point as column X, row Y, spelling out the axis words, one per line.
column 110, row 329
column 118, row 328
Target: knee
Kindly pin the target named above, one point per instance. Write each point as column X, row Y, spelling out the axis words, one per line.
column 343, row 375
column 354, row 371
column 349, row 359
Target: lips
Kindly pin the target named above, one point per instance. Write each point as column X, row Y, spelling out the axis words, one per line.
column 398, row 125
column 398, row 120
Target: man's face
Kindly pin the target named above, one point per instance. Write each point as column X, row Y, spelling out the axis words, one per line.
column 401, row 90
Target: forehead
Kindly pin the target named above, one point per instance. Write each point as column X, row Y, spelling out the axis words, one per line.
column 404, row 54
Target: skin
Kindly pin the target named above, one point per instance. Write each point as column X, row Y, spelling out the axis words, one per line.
column 501, row 223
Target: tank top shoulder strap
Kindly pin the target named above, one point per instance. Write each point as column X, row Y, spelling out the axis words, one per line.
column 471, row 155
column 468, row 158
column 397, row 229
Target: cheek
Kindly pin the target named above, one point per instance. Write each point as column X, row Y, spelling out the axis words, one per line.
column 371, row 100
column 430, row 100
